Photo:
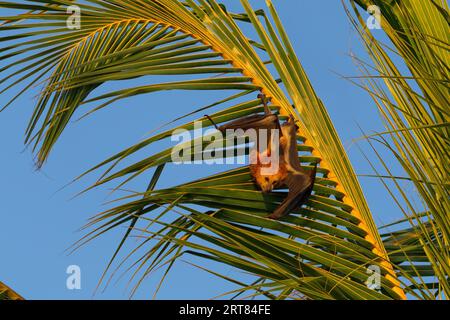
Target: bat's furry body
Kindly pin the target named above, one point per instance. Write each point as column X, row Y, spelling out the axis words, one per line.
column 290, row 173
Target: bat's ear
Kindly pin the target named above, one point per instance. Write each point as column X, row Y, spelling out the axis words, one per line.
column 263, row 97
column 291, row 119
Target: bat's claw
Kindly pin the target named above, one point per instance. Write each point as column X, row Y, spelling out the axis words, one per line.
column 212, row 121
column 273, row 217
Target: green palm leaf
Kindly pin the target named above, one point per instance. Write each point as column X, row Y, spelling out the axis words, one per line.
column 413, row 103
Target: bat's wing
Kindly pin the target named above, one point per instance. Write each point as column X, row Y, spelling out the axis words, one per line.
column 300, row 187
column 267, row 121
column 257, row 123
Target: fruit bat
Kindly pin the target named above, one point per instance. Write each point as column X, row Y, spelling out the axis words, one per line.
column 290, row 173
column 259, row 169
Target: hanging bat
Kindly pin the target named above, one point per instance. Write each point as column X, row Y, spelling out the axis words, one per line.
column 259, row 169
column 290, row 173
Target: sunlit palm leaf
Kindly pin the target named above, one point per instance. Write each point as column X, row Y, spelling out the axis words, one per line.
column 415, row 109
column 7, row 293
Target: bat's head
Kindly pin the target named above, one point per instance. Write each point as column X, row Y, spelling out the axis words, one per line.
column 268, row 182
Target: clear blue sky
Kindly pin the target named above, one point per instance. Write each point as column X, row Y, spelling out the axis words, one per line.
column 37, row 223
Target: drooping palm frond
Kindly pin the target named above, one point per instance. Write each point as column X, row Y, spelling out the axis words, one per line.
column 410, row 256
column 6, row 293
column 413, row 100
column 322, row 251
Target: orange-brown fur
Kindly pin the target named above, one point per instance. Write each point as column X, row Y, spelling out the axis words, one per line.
column 269, row 182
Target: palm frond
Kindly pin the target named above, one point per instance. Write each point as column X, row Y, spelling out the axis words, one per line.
column 408, row 252
column 6, row 293
column 413, row 98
